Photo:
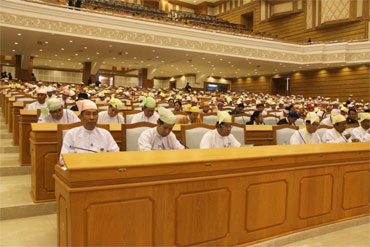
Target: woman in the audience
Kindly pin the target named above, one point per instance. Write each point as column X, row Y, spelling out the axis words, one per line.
column 112, row 115
column 160, row 137
column 362, row 133
column 338, row 134
column 220, row 137
column 177, row 106
column 54, row 113
column 88, row 138
column 307, row 135
column 256, row 119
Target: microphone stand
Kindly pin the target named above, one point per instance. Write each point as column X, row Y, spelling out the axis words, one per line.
column 84, row 149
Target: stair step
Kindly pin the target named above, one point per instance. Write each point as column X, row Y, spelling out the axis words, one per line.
column 5, row 136
column 13, row 149
column 28, row 210
column 14, row 170
column 13, row 157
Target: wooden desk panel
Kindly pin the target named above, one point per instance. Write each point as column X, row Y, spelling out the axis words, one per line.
column 27, row 117
column 17, row 107
column 10, row 114
column 233, row 196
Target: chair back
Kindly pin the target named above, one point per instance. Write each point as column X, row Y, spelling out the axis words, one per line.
column 322, row 129
column 270, row 120
column 209, row 118
column 192, row 134
column 351, row 127
column 128, row 115
column 282, row 133
column 300, row 121
column 239, row 132
column 131, row 134
column 240, row 118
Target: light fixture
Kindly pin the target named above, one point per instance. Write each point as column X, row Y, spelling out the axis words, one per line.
column 114, row 58
column 126, row 52
column 40, row 50
column 76, row 54
column 97, row 53
column 88, row 58
column 56, row 55
column 69, row 59
column 16, row 43
column 46, row 42
column 110, row 46
column 13, row 50
column 85, row 47
column 70, row 41
column 62, row 49
column 134, row 57
column 19, row 34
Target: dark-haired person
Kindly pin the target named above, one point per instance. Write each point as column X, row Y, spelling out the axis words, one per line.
column 81, row 96
column 160, row 137
column 177, row 107
column 112, row 116
column 41, row 100
column 352, row 117
column 256, row 119
column 192, row 117
column 88, row 138
column 239, row 109
column 290, row 119
column 307, row 135
column 362, row 133
column 220, row 137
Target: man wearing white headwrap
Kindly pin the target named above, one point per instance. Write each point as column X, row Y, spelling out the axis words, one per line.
column 362, row 133
column 329, row 120
column 160, row 137
column 338, row 134
column 148, row 114
column 221, row 136
column 88, row 138
column 112, row 114
column 307, row 135
column 65, row 97
column 54, row 113
column 41, row 100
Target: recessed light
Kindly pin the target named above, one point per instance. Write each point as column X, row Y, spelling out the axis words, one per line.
column 134, row 57
column 71, row 41
column 40, row 50
column 62, row 49
column 19, row 34
column 110, row 46
column 97, row 53
column 85, row 47
column 69, row 59
column 56, row 55
column 221, row 59
column 153, row 50
column 114, row 58
column 49, row 61
column 13, row 50
column 126, row 52
column 88, row 58
column 157, row 57
column 162, row 61
column 76, row 54
column 16, row 43
column 46, row 42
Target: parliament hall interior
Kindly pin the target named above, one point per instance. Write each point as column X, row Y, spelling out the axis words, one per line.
column 185, row 123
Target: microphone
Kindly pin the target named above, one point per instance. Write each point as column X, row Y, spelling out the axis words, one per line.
column 300, row 134
column 186, row 147
column 84, row 149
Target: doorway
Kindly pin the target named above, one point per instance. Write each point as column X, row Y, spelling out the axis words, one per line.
column 281, row 86
column 247, row 21
column 172, row 84
column 106, row 80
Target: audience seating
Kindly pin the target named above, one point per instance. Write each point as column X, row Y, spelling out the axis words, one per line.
column 282, row 134
column 131, row 134
column 192, row 134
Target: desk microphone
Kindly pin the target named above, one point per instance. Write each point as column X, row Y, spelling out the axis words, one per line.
column 84, row 149
column 186, row 147
column 300, row 134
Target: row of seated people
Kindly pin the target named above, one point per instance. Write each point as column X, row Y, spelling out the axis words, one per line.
column 205, row 22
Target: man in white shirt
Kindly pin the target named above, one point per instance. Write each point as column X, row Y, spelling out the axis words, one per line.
column 160, row 137
column 329, row 120
column 148, row 114
column 88, row 138
column 221, row 136
column 65, row 97
column 112, row 114
column 362, row 133
column 41, row 100
column 54, row 113
column 338, row 134
column 307, row 135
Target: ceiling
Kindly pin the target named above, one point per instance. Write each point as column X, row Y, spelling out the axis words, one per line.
column 61, row 51
column 196, row 2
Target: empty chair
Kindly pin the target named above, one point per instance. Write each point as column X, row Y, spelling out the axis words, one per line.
column 192, row 134
column 131, row 134
column 270, row 120
column 282, row 134
column 299, row 122
column 128, row 115
column 209, row 118
column 239, row 132
column 241, row 118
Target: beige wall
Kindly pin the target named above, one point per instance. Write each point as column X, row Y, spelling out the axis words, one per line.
column 57, row 76
column 125, row 81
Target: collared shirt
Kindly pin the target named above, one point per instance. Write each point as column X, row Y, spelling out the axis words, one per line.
column 361, row 134
column 140, row 117
column 68, row 117
column 186, row 120
column 212, row 139
column 35, row 106
column 326, row 121
column 96, row 140
column 67, row 101
column 302, row 136
column 333, row 136
column 350, row 121
column 150, row 139
column 104, row 118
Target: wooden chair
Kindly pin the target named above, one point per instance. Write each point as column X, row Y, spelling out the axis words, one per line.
column 128, row 115
column 282, row 133
column 131, row 134
column 209, row 118
column 192, row 134
column 241, row 118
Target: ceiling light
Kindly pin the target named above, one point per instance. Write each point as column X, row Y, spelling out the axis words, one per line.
column 134, row 57
column 229, row 62
column 88, row 58
column 85, row 47
column 110, row 46
column 69, row 59
column 162, row 61
column 49, row 60
column 19, row 34
column 76, row 54
column 70, row 41
column 13, row 50
column 97, row 53
column 157, row 57
column 126, row 52
column 46, row 42
column 153, row 50
column 56, row 55
column 114, row 58
column 40, row 49
column 16, row 43
column 62, row 49
column 221, row 59
column 203, row 58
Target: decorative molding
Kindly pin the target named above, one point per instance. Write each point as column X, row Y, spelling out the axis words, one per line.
column 30, row 16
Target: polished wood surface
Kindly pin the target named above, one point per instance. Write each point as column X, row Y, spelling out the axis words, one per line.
column 208, row 197
column 17, row 107
column 26, row 118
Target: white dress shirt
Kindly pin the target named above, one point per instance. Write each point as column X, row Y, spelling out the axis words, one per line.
column 68, row 117
column 104, row 118
column 140, row 117
column 96, row 140
column 361, row 134
column 302, row 136
column 35, row 106
column 67, row 101
column 333, row 136
column 326, row 121
column 150, row 139
column 212, row 139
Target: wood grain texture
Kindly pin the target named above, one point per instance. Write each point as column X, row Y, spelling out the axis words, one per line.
column 222, row 204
